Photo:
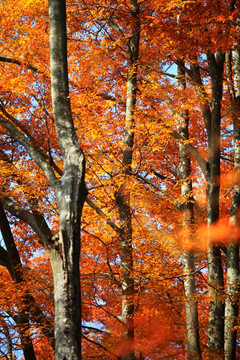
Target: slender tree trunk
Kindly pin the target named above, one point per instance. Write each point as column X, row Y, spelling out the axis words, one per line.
column 215, row 271
column 232, row 290
column 184, row 174
column 212, row 120
column 123, row 194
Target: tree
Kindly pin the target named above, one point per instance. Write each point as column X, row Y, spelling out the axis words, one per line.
column 123, row 193
column 159, row 151
column 184, row 173
column 63, row 247
column 231, row 310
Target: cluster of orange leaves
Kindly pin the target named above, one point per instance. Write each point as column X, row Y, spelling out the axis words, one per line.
column 98, row 65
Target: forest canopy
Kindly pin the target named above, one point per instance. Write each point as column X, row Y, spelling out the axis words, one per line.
column 119, row 179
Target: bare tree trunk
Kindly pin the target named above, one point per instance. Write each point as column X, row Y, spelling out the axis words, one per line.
column 184, row 174
column 212, row 120
column 70, row 192
column 215, row 271
column 123, row 193
column 232, row 290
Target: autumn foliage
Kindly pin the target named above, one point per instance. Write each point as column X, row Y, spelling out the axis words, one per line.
column 185, row 78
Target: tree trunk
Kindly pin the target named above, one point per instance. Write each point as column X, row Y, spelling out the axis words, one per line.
column 123, row 194
column 71, row 193
column 212, row 120
column 232, row 290
column 184, row 174
column 215, row 271
column 67, row 300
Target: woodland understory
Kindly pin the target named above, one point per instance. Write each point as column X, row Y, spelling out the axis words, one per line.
column 119, row 179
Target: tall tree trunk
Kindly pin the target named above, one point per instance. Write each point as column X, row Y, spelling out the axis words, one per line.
column 70, row 192
column 212, row 120
column 215, row 271
column 184, row 174
column 232, row 290
column 123, row 193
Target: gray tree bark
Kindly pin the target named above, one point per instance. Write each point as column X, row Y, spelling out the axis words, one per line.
column 70, row 193
column 215, row 271
column 123, row 193
column 211, row 170
column 232, row 286
column 184, row 174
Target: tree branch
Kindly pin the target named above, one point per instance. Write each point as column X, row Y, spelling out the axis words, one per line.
column 31, row 138
column 35, row 221
column 101, row 346
column 194, row 152
column 103, row 215
column 109, row 97
column 4, row 260
column 8, row 59
column 32, row 151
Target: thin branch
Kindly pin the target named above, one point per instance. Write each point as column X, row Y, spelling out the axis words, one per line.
column 32, row 151
column 194, row 152
column 95, row 329
column 115, row 26
column 106, row 96
column 101, row 346
column 25, row 131
column 103, row 215
column 8, row 59
column 231, row 161
column 35, row 221
column 148, row 67
column 105, row 310
column 224, row 195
